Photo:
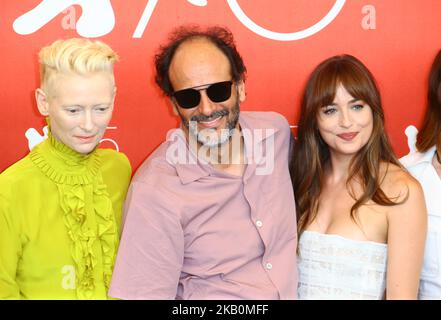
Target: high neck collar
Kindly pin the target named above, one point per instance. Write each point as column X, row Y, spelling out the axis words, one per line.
column 62, row 164
column 67, row 152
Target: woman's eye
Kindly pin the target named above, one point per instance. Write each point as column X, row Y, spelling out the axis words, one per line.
column 329, row 110
column 358, row 107
column 102, row 109
column 73, row 111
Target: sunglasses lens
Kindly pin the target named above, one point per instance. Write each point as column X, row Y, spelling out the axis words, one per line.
column 190, row 98
column 219, row 92
column 187, row 98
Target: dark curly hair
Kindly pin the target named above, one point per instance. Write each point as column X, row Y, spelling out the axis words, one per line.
column 221, row 37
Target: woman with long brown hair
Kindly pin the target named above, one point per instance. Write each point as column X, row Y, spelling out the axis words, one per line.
column 361, row 217
column 425, row 166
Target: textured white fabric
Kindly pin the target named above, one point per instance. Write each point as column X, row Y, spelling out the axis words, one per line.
column 334, row 267
column 420, row 166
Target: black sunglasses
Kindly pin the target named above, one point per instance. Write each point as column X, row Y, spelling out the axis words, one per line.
column 191, row 97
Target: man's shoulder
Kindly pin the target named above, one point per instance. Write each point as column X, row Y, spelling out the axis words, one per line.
column 155, row 166
column 265, row 119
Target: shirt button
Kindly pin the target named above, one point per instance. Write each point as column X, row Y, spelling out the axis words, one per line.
column 259, row 223
column 269, row 266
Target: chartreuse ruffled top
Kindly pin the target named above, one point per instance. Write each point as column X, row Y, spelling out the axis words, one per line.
column 60, row 217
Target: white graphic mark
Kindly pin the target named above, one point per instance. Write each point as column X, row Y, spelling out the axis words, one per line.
column 97, row 17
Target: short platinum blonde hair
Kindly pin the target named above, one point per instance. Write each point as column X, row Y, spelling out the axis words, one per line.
column 75, row 55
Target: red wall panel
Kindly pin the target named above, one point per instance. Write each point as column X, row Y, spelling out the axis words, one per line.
column 396, row 39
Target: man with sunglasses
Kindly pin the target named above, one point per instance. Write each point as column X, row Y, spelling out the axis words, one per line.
column 202, row 221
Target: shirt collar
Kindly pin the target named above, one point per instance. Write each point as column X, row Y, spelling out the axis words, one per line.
column 193, row 169
column 260, row 130
column 425, row 157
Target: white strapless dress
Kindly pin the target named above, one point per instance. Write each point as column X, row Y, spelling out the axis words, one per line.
column 334, row 267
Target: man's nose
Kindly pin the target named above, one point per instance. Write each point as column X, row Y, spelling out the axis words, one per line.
column 206, row 106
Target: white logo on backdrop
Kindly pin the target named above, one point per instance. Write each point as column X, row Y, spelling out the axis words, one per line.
column 250, row 24
column 411, row 133
column 34, row 136
column 98, row 18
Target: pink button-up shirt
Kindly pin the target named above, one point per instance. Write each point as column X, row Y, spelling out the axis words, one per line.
column 193, row 232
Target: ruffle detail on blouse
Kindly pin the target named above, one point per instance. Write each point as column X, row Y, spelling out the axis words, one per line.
column 107, row 230
column 88, row 211
column 85, row 232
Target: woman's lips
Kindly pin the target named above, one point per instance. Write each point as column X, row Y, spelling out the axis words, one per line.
column 347, row 136
column 85, row 138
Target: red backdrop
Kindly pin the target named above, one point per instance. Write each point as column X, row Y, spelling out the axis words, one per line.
column 396, row 39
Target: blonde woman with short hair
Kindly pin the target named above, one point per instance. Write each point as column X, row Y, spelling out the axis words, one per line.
column 60, row 206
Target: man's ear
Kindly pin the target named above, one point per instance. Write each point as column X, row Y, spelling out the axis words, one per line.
column 42, row 102
column 241, row 91
column 175, row 108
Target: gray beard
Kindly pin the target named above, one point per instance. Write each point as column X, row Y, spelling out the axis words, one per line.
column 208, row 137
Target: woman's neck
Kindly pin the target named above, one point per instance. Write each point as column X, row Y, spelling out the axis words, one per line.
column 338, row 170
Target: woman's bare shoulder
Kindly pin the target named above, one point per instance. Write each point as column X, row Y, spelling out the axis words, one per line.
column 397, row 182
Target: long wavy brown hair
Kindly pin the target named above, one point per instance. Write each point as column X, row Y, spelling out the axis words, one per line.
column 430, row 133
column 311, row 154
